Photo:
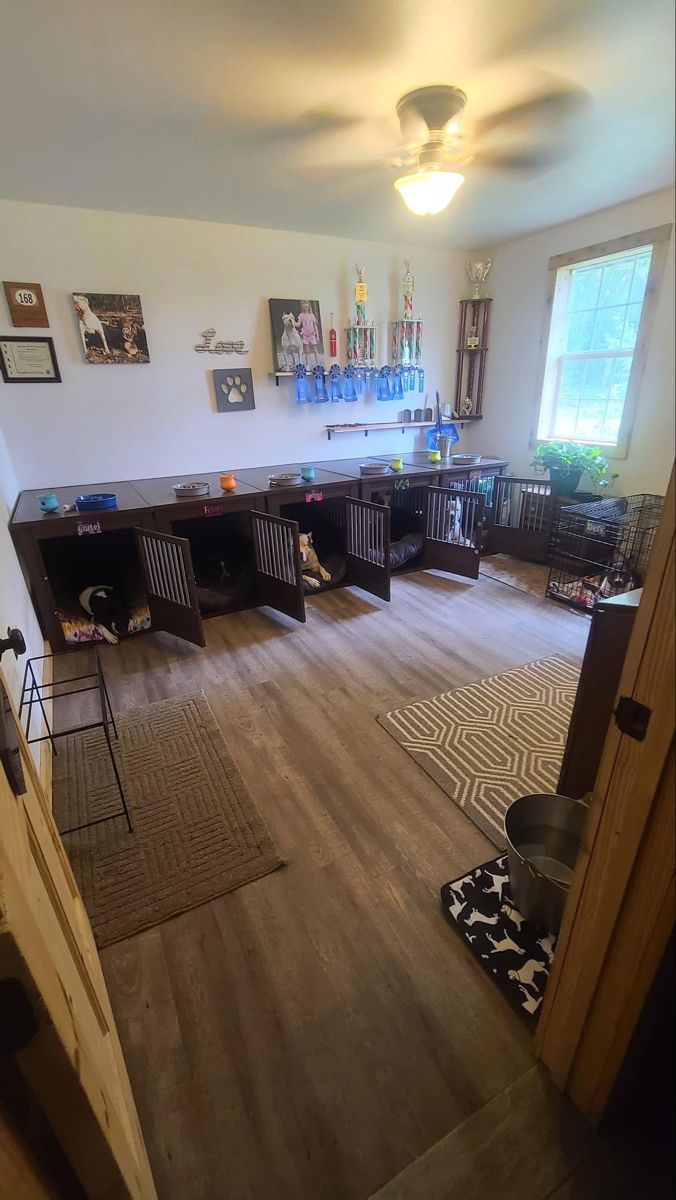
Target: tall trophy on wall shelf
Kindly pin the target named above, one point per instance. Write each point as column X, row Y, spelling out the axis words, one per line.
column 477, row 272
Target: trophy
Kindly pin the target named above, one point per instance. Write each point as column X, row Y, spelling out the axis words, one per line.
column 477, row 272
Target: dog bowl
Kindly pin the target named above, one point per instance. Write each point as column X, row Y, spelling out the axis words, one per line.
column 286, row 479
column 374, row 468
column 186, row 490
column 92, row 500
column 467, row 460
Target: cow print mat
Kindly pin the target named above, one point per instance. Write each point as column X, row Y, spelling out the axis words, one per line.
column 515, row 954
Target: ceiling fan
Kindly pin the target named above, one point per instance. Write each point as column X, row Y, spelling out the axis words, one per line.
column 437, row 146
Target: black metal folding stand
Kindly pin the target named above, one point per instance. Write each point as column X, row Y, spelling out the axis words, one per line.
column 34, row 694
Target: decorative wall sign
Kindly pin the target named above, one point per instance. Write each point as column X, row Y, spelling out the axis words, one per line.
column 234, row 390
column 296, row 334
column 26, row 305
column 28, row 360
column 231, row 346
column 111, row 327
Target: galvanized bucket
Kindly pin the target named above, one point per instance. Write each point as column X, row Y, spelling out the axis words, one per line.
column 445, row 444
column 544, row 832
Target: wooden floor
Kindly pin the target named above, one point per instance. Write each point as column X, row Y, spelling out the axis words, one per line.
column 310, row 1035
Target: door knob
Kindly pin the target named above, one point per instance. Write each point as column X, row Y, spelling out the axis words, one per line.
column 14, row 641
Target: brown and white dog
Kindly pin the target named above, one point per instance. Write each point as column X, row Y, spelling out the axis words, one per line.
column 89, row 322
column 308, row 556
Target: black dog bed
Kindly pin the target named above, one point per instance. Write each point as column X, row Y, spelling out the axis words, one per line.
column 333, row 563
column 214, row 596
column 406, row 548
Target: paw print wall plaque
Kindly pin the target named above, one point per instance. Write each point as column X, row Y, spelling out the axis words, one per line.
column 234, row 390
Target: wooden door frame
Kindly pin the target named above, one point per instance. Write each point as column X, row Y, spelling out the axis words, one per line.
column 620, row 911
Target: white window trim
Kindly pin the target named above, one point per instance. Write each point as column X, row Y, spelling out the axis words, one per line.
column 556, row 304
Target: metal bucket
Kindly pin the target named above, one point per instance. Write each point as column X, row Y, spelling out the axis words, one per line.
column 445, row 444
column 543, row 833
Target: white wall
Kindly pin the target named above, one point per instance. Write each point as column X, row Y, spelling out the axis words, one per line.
column 107, row 422
column 16, row 609
column 518, row 283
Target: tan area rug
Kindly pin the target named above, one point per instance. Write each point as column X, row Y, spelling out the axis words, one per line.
column 197, row 832
column 489, row 742
column 526, row 576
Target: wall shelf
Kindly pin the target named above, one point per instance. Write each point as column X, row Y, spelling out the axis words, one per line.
column 362, row 427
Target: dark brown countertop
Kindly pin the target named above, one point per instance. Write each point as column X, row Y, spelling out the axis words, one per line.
column 27, row 508
column 259, row 477
column 350, row 467
column 159, row 493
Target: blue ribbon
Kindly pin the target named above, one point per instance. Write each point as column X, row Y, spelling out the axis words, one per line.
column 398, row 383
column 383, row 384
column 321, row 394
column 300, row 371
column 359, row 381
column 349, row 393
column 421, row 380
column 334, row 383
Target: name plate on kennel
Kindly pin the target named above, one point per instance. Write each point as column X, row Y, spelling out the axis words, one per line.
column 314, row 495
column 87, row 527
column 402, row 485
column 212, row 510
column 474, row 475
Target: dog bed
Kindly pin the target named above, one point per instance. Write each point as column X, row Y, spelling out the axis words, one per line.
column 215, row 597
column 78, row 628
column 336, row 566
column 406, row 548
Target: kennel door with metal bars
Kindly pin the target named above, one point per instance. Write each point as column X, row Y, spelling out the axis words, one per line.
column 279, row 580
column 520, row 518
column 454, row 523
column 170, row 583
column 367, row 546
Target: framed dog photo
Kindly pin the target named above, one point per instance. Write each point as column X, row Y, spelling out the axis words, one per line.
column 234, row 390
column 296, row 334
column 28, row 360
column 112, row 328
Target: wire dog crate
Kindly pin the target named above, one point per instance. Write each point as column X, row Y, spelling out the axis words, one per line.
column 602, row 549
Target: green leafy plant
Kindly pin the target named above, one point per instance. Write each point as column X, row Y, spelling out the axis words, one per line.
column 566, row 460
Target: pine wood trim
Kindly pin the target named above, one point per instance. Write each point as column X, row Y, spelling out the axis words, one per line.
column 621, row 876
column 630, row 241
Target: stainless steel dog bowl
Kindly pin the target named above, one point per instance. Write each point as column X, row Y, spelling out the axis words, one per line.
column 187, row 490
column 467, row 460
column 286, row 479
column 543, row 832
column 374, row 468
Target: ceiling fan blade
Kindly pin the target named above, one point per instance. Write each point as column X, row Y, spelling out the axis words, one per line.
column 552, row 106
column 522, row 158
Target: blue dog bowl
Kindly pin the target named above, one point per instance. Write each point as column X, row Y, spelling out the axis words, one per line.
column 96, row 500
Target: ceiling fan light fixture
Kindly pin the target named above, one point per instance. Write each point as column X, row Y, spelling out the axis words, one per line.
column 429, row 190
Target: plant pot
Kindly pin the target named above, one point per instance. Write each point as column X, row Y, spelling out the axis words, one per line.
column 565, row 481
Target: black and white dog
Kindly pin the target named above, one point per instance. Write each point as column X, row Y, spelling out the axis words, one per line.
column 108, row 610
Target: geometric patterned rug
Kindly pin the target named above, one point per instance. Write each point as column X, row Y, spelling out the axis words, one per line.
column 197, row 832
column 512, row 952
column 489, row 742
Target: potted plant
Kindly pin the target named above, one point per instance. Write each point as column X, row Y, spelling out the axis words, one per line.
column 567, row 462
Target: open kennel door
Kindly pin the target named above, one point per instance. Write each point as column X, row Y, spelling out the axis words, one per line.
column 170, row 583
column 367, row 546
column 521, row 517
column 278, row 569
column 454, row 522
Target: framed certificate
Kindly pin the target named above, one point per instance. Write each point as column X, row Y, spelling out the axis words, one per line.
column 28, row 360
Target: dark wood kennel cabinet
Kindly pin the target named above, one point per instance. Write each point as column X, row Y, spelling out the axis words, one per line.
column 160, row 541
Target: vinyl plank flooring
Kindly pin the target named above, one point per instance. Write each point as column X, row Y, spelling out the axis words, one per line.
column 309, row 1035
column 524, row 1142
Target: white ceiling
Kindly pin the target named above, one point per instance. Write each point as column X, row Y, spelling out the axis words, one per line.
column 201, row 108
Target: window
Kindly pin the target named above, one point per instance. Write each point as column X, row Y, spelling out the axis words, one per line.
column 599, row 314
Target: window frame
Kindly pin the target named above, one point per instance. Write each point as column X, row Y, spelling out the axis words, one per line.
column 555, row 328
